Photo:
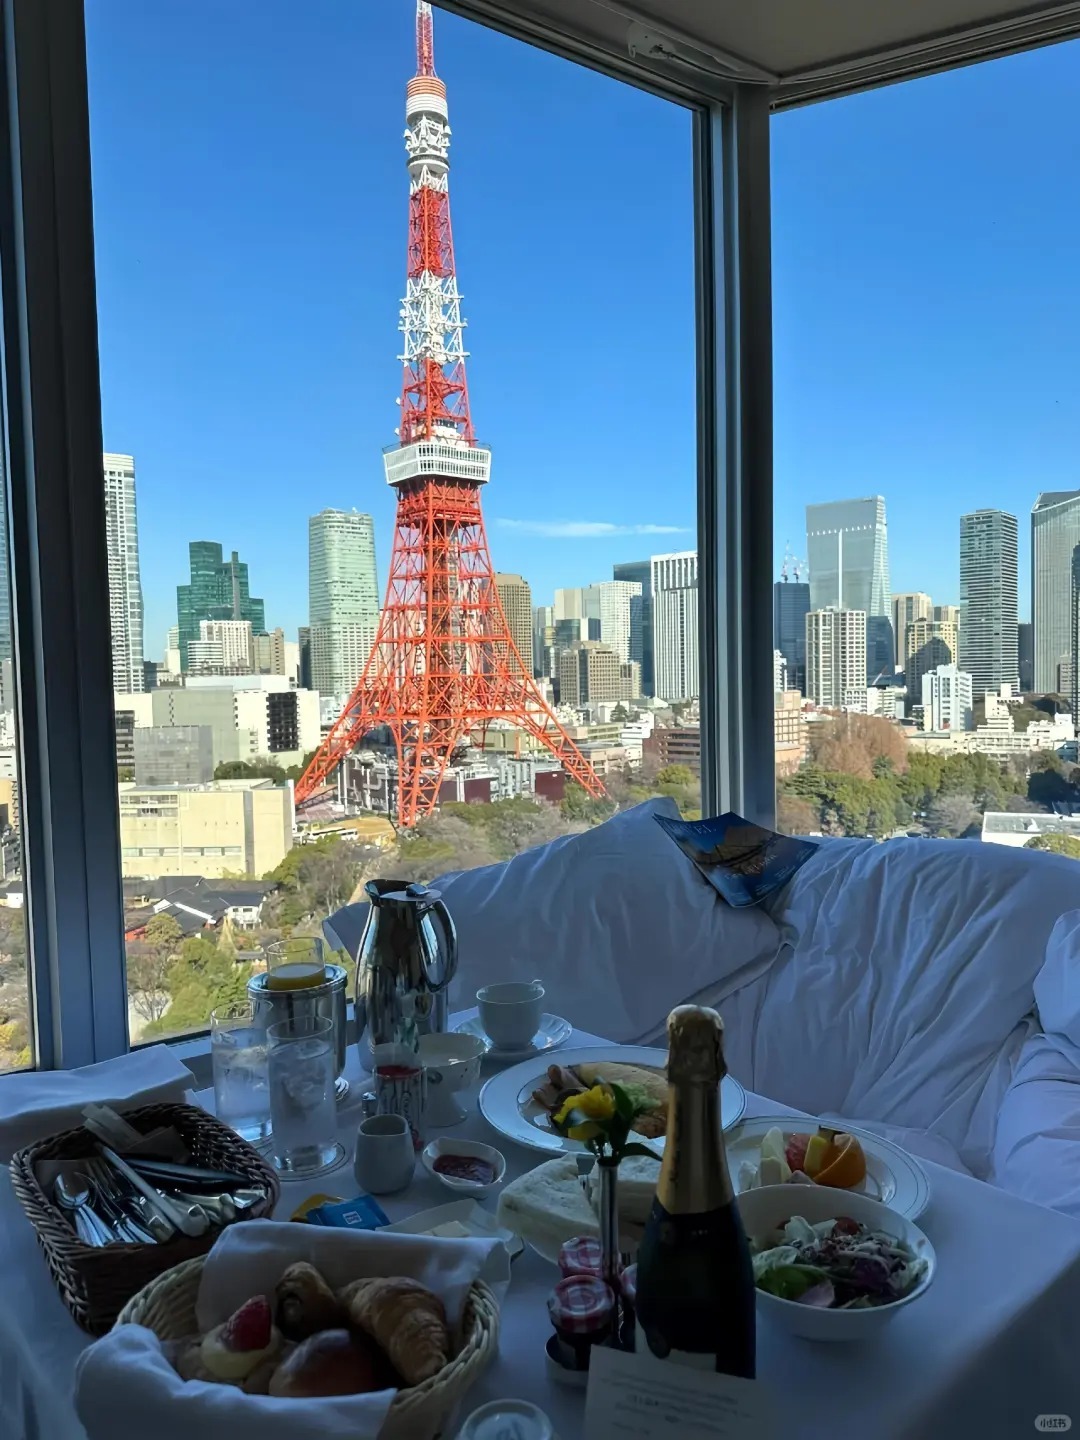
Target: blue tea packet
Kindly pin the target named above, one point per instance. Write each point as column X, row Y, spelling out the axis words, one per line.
column 743, row 861
column 363, row 1213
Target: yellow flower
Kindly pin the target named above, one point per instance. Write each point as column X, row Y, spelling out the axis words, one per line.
column 595, row 1104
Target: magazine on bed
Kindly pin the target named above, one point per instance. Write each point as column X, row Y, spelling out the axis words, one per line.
column 745, row 862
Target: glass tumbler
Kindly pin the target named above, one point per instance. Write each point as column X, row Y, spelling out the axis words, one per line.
column 303, row 1067
column 238, row 1051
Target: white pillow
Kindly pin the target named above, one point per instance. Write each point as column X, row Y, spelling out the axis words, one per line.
column 911, row 985
column 1057, row 985
column 618, row 924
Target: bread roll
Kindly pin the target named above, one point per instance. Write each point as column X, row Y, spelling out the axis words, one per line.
column 334, row 1362
column 406, row 1320
column 305, row 1304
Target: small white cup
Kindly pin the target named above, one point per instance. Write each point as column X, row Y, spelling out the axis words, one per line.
column 451, row 1063
column 510, row 1012
column 385, row 1159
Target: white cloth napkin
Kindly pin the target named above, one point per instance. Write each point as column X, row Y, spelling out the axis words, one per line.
column 36, row 1103
column 124, row 1385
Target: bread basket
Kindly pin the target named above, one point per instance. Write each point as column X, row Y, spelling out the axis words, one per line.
column 95, row 1282
column 167, row 1307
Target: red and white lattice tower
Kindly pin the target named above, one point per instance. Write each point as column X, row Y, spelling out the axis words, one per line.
column 444, row 664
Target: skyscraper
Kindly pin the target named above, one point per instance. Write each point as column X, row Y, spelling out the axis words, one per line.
column 1055, row 534
column 515, row 596
column 641, row 625
column 614, row 599
column 125, row 585
column 946, row 615
column 791, row 605
column 1075, row 694
column 343, row 598
column 847, row 546
column 545, row 661
column 988, row 600
column 589, row 673
column 674, row 586
column 218, row 590
column 836, row 658
column 914, row 605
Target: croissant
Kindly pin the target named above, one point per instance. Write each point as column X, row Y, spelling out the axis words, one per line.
column 406, row 1320
column 306, row 1304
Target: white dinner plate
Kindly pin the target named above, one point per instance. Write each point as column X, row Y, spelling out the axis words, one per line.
column 507, row 1104
column 473, row 1217
column 892, row 1175
column 554, row 1031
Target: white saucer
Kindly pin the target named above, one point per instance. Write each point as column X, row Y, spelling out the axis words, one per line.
column 554, row 1031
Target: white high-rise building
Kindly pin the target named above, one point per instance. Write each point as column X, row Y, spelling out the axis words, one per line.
column 836, row 658
column 125, row 585
column 612, row 598
column 947, row 699
column 675, row 625
column 343, row 598
column 235, row 639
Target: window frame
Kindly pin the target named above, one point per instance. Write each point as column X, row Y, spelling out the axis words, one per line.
column 52, row 422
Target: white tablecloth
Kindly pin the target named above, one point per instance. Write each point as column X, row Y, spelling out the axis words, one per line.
column 993, row 1344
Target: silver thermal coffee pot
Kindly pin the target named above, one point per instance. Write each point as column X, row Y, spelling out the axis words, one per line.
column 408, row 956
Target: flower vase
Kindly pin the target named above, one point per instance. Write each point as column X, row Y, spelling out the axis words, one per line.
column 609, row 1234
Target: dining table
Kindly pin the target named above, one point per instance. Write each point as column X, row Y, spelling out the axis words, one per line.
column 990, row 1350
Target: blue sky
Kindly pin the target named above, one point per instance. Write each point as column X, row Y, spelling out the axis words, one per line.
column 250, row 212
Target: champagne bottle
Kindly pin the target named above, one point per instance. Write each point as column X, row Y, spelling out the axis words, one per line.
column 695, row 1281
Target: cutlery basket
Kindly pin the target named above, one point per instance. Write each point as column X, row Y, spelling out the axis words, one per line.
column 95, row 1283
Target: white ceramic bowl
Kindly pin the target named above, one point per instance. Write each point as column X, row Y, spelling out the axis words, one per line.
column 772, row 1206
column 445, row 1145
column 454, row 1057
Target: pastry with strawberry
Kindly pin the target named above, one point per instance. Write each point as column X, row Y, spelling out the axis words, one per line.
column 244, row 1351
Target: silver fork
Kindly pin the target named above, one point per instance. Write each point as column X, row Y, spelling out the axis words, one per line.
column 113, row 1199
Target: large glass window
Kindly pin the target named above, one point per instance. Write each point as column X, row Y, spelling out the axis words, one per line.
column 16, row 1020
column 326, row 667
column 927, row 602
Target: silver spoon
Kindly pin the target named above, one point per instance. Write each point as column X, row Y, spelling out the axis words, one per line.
column 128, row 1200
column 75, row 1199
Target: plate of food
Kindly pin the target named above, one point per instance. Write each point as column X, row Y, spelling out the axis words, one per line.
column 777, row 1151
column 522, row 1102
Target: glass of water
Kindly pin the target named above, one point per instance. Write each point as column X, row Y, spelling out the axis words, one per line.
column 241, row 1085
column 303, row 1067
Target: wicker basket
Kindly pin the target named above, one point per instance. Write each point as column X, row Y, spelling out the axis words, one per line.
column 167, row 1306
column 95, row 1282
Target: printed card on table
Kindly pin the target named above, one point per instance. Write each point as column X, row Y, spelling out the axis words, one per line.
column 637, row 1397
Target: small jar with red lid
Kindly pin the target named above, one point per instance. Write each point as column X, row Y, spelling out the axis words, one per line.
column 582, row 1256
column 582, row 1310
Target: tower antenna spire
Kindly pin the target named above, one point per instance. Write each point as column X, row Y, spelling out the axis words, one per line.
column 425, row 39
column 444, row 665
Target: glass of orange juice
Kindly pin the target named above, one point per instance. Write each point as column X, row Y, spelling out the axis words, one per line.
column 295, row 964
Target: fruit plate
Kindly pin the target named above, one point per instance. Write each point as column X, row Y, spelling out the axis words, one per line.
column 892, row 1175
column 507, row 1104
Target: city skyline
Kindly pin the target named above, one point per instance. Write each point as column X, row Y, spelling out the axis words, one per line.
column 965, row 431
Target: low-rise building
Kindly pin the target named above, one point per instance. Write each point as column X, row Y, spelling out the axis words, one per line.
column 947, row 699
column 1004, row 828
column 675, row 745
column 789, row 732
column 227, row 827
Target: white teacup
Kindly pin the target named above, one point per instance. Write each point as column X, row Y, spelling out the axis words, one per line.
column 385, row 1158
column 510, row 1012
column 451, row 1063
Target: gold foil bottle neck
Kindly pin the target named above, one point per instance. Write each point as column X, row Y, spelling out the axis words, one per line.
column 695, row 1046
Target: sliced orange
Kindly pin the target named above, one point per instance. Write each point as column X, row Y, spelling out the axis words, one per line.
column 844, row 1165
column 818, row 1154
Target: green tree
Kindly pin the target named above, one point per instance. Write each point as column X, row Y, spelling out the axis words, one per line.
column 1057, row 845
column 149, row 965
column 250, row 770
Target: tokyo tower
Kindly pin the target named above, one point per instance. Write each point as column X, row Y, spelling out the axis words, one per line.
column 444, row 664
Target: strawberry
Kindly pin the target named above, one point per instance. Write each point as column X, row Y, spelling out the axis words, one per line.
column 250, row 1327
